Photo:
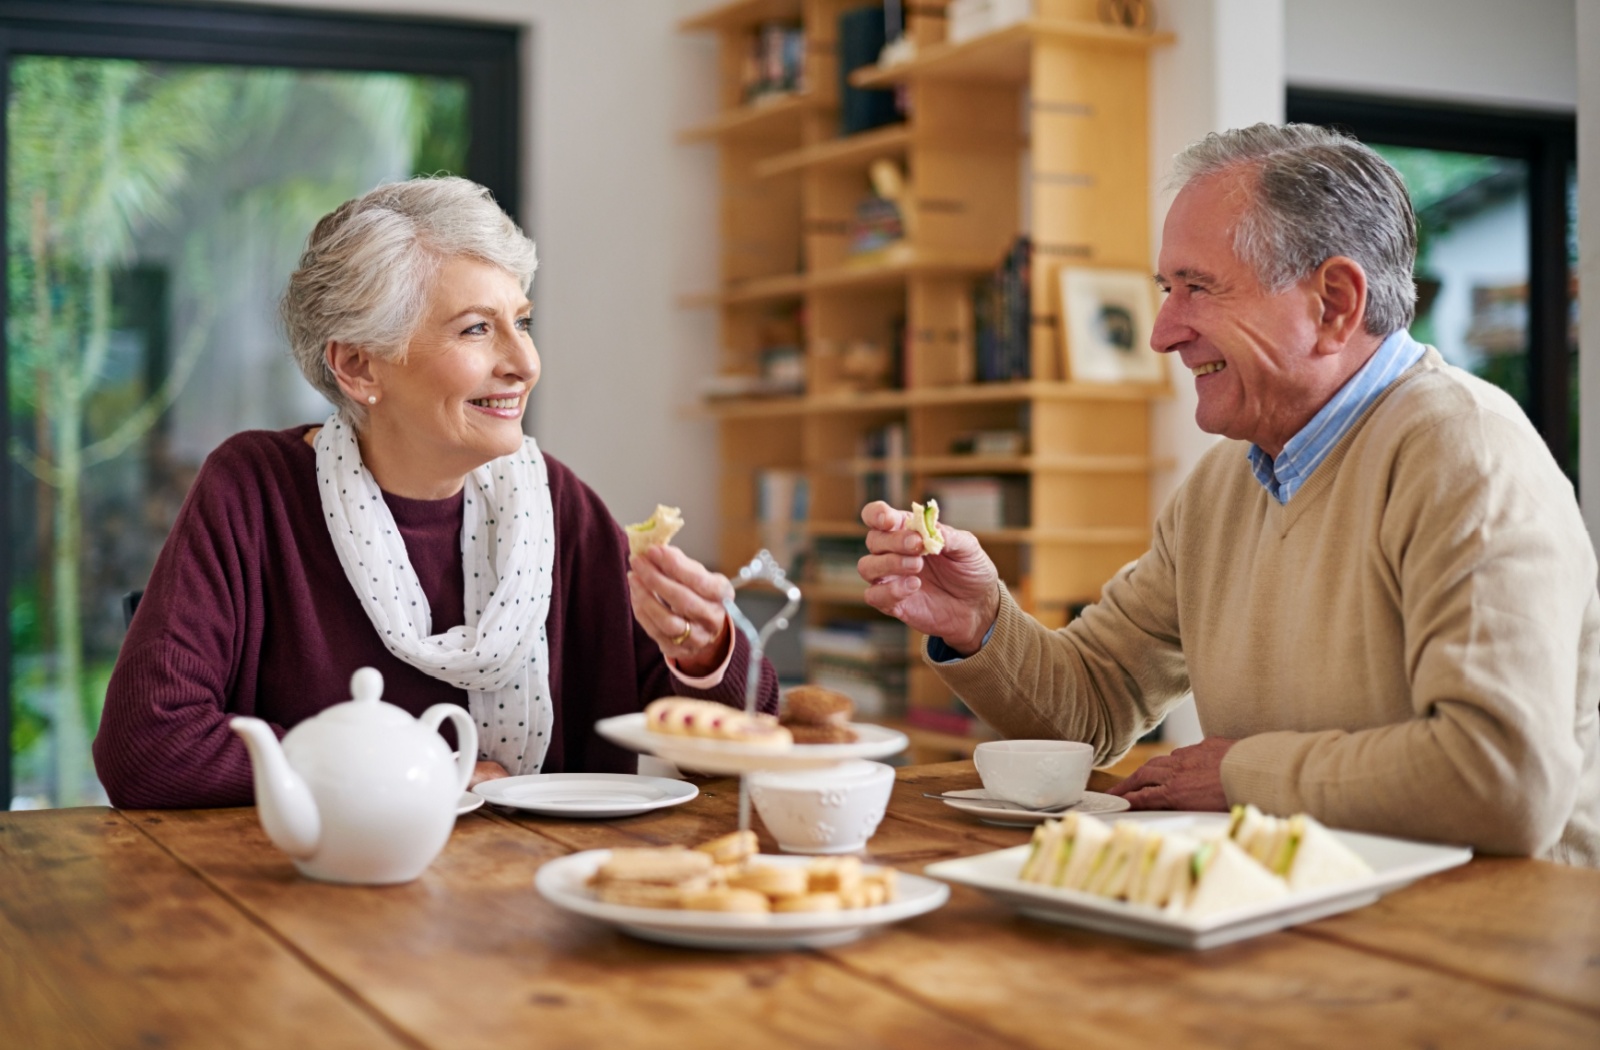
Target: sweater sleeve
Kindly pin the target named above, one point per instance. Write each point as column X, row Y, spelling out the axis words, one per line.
column 1105, row 679
column 1494, row 578
column 164, row 740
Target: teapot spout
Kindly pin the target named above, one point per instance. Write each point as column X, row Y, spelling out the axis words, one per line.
column 288, row 811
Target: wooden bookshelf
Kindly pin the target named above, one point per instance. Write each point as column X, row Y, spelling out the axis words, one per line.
column 1043, row 122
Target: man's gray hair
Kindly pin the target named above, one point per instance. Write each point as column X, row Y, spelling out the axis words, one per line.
column 1316, row 194
column 369, row 266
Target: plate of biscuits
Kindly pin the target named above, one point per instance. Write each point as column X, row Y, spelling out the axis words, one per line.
column 724, row 895
column 814, row 731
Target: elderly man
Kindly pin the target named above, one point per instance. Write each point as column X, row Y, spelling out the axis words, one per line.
column 1379, row 589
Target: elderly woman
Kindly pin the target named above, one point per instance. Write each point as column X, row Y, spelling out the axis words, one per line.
column 417, row 531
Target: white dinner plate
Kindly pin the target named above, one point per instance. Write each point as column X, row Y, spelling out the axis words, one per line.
column 990, row 810
column 727, row 756
column 564, row 881
column 586, row 795
column 468, row 802
column 1395, row 863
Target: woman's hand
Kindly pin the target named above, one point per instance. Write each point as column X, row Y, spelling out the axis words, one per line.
column 954, row 595
column 486, row 771
column 678, row 602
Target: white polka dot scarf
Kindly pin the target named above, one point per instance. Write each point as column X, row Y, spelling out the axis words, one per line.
column 501, row 656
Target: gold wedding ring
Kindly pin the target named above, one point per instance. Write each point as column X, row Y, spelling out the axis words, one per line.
column 688, row 628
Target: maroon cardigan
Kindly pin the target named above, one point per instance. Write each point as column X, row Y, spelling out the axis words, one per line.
column 248, row 613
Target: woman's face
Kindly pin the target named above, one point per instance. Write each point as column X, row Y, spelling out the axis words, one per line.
column 456, row 400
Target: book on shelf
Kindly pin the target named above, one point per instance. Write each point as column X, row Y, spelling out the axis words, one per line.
column 878, row 692
column 955, row 719
column 774, row 64
column 1002, row 311
column 867, row 642
column 861, row 39
column 783, row 499
column 885, row 445
column 833, row 561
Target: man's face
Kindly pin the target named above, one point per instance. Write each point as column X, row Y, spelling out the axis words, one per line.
column 1250, row 350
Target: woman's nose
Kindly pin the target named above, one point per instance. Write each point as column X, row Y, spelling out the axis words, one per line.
column 519, row 357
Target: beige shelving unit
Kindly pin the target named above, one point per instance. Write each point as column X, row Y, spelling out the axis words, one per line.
column 1040, row 128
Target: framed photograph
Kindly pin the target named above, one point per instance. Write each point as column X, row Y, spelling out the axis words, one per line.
column 1106, row 317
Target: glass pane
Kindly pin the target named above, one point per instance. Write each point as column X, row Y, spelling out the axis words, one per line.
column 155, row 214
column 1472, row 260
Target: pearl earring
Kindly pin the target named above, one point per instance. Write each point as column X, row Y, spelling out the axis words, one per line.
column 372, row 399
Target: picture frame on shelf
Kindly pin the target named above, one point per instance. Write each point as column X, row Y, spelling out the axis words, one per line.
column 1106, row 319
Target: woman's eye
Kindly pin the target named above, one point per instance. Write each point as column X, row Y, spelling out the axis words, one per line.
column 525, row 324
column 481, row 328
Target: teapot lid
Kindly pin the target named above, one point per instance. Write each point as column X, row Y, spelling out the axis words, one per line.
column 366, row 709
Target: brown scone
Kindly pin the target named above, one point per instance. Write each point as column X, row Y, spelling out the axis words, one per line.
column 664, row 867
column 812, row 705
column 829, row 734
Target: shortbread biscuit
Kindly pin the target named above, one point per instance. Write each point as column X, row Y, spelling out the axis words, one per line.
column 727, row 900
column 833, row 874
column 773, row 881
column 732, row 847
column 639, row 894
column 810, row 902
column 681, row 716
column 661, row 866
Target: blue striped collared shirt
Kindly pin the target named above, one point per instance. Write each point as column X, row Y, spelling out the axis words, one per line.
column 1283, row 476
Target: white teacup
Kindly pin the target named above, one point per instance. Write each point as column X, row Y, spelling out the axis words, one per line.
column 832, row 810
column 1035, row 773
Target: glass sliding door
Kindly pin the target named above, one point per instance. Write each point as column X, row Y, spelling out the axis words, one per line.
column 154, row 209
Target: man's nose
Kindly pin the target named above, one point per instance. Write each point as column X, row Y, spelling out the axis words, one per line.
column 1169, row 330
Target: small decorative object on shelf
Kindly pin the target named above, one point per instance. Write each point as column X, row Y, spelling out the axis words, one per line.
column 1106, row 319
column 774, row 66
column 1130, row 14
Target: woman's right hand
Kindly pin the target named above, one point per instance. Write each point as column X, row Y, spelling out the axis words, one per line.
column 953, row 595
column 486, row 771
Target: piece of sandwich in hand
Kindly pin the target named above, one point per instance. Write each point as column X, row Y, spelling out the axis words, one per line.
column 925, row 522
column 655, row 531
column 1298, row 849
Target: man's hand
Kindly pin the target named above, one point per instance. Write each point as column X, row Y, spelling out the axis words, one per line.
column 1190, row 778
column 954, row 595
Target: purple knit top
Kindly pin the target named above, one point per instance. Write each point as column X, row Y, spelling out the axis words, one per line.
column 248, row 612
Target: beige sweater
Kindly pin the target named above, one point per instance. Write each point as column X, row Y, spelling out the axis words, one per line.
column 1410, row 646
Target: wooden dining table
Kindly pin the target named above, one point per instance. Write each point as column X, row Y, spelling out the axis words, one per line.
column 171, row 929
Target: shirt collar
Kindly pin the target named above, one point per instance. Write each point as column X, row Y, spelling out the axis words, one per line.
column 1283, row 476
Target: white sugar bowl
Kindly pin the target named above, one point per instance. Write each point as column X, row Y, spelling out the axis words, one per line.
column 832, row 810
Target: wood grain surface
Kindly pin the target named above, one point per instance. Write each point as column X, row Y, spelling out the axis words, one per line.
column 188, row 929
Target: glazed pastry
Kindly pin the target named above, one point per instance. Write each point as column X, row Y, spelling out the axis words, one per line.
column 681, row 716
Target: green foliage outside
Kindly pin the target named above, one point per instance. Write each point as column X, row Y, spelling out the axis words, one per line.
column 103, row 155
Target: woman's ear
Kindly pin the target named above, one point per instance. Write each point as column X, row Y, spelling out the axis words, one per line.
column 351, row 366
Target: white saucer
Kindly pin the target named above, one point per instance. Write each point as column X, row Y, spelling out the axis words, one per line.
column 991, row 810
column 586, row 795
column 564, row 882
column 468, row 802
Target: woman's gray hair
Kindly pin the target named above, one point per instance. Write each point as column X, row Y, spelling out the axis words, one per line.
column 1317, row 193
column 368, row 267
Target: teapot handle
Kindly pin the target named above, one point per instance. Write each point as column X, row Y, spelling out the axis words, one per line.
column 466, row 736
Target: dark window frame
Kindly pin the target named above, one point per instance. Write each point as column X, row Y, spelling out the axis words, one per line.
column 1547, row 142
column 486, row 55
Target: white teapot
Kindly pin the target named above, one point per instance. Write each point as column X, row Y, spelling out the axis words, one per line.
column 362, row 792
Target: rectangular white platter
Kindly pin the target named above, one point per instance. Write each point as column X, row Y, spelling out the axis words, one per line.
column 1395, row 863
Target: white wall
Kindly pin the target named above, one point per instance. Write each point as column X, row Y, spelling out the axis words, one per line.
column 625, row 219
column 1588, row 46
column 1518, row 53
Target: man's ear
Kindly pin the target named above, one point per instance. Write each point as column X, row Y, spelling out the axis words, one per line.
column 351, row 366
column 1341, row 285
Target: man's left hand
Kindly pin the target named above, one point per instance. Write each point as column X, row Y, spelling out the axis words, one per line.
column 1189, row 779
